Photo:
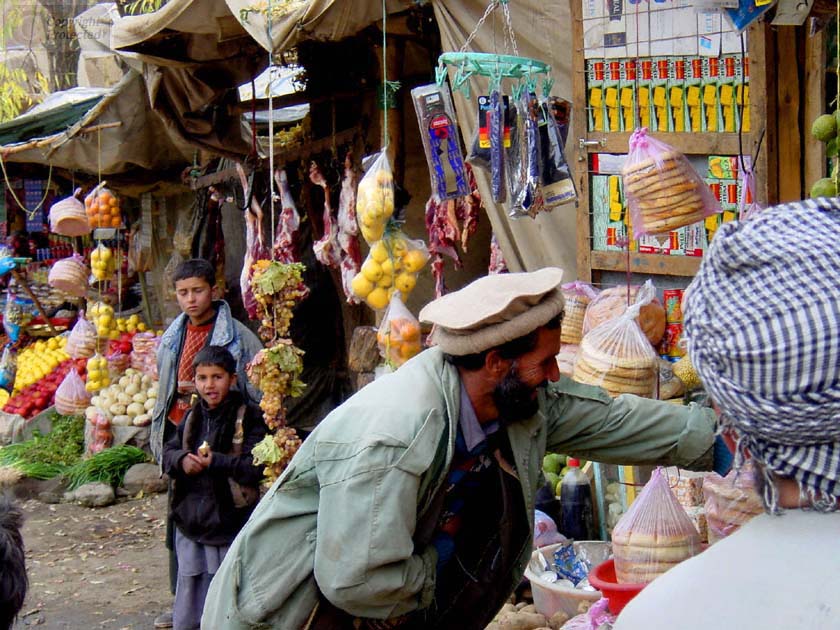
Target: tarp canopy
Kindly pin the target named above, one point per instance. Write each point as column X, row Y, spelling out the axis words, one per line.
column 188, row 42
column 95, row 130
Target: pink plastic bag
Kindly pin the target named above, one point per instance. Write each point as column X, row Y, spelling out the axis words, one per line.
column 748, row 206
column 654, row 535
column 663, row 190
column 71, row 397
column 731, row 501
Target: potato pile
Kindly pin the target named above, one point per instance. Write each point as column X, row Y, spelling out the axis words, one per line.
column 523, row 616
column 127, row 402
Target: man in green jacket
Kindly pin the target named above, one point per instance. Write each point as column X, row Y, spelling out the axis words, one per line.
column 411, row 505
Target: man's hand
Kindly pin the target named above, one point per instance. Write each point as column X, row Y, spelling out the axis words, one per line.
column 192, row 464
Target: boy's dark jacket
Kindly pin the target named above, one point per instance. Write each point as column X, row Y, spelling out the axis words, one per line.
column 202, row 505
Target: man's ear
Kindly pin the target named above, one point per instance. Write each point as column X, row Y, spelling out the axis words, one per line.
column 496, row 364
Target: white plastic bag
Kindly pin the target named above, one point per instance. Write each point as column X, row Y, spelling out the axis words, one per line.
column 81, row 343
column 71, row 397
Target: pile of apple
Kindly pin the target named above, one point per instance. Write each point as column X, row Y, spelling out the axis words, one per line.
column 38, row 396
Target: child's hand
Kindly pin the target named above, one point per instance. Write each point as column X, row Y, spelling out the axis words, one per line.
column 192, row 464
column 205, row 456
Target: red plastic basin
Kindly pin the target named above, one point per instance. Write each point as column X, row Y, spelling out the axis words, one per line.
column 603, row 578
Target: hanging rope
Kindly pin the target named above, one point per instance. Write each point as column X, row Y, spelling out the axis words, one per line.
column 385, row 75
column 29, row 213
column 270, row 130
column 510, row 38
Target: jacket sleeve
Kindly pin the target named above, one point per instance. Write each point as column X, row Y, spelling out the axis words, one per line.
column 365, row 560
column 585, row 421
column 173, row 454
column 241, row 467
column 251, row 344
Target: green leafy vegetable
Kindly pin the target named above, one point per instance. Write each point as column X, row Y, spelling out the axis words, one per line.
column 108, row 466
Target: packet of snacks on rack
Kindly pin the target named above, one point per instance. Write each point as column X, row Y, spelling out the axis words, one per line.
column 375, row 199
column 617, row 356
column 391, row 266
column 663, row 190
column 398, row 336
column 654, row 535
column 81, row 342
column 103, row 208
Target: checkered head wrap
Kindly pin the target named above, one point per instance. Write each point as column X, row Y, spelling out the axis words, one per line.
column 763, row 328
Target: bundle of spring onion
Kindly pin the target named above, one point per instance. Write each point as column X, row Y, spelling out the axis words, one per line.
column 108, row 466
column 45, row 456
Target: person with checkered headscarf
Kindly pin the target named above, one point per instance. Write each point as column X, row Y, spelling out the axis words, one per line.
column 762, row 321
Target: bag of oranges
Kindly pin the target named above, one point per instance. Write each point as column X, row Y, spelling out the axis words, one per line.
column 398, row 336
column 103, row 208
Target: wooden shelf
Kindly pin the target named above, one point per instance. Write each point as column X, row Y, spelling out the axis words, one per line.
column 688, row 143
column 645, row 263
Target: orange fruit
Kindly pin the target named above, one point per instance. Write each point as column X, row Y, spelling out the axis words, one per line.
column 105, row 197
column 114, row 202
column 88, row 201
column 115, row 221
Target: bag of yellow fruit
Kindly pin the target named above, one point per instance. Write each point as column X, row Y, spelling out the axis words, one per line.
column 390, row 268
column 375, row 199
column 103, row 265
column 97, row 373
column 398, row 336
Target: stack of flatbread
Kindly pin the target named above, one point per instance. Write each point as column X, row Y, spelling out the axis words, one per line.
column 627, row 373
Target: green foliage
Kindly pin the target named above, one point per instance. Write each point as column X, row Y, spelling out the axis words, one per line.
column 50, row 453
column 108, row 466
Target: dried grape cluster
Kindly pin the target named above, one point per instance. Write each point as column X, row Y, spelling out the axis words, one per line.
column 275, row 452
column 278, row 287
column 275, row 372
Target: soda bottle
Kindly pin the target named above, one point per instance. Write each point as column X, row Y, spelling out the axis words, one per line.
column 577, row 519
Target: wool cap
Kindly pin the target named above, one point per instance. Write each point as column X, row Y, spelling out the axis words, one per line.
column 762, row 322
column 493, row 310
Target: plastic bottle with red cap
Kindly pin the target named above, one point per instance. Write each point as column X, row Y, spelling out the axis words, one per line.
column 577, row 519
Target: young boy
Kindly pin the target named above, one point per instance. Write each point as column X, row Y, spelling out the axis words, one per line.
column 203, row 321
column 215, row 480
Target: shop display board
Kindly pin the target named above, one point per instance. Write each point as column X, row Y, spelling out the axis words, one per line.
column 697, row 84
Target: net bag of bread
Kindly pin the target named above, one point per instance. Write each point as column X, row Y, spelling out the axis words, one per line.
column 731, row 501
column 577, row 295
column 617, row 356
column 654, row 535
column 612, row 302
column 663, row 190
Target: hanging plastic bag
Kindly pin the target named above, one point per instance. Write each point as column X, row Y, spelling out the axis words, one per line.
column 98, row 432
column 612, row 302
column 654, row 535
column 97, row 373
column 103, row 208
column 747, row 204
column 480, row 152
column 399, row 334
column 731, row 501
column 138, row 258
column 497, row 146
column 18, row 313
column 663, row 191
column 566, row 358
column 71, row 397
column 69, row 275
column 577, row 296
column 617, row 356
column 558, row 187
column 144, row 353
column 103, row 264
column 375, row 199
column 68, row 216
column 81, row 342
column 391, row 266
column 523, row 160
column 8, row 367
column 441, row 141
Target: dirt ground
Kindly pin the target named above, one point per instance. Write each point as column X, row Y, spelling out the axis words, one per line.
column 92, row 568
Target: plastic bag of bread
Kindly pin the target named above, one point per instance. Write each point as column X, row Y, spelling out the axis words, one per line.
column 398, row 336
column 578, row 295
column 566, row 359
column 654, row 535
column 71, row 397
column 617, row 356
column 612, row 302
column 731, row 501
column 81, row 342
column 663, row 190
column 68, row 216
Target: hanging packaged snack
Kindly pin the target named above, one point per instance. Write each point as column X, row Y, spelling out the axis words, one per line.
column 523, row 160
column 479, row 153
column 497, row 146
column 654, row 535
column 577, row 295
column 103, row 264
column 612, row 302
column 68, row 216
column 97, row 373
column 69, row 275
column 663, row 190
column 81, row 342
column 441, row 141
column 103, row 208
column 398, row 336
column 71, row 397
column 617, row 356
column 375, row 199
column 558, row 187
column 392, row 266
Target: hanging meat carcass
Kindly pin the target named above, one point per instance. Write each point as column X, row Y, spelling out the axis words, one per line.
column 288, row 223
column 327, row 247
column 348, row 230
column 255, row 248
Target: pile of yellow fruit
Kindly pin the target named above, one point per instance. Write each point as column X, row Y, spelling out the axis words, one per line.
column 392, row 265
column 39, row 360
column 375, row 200
column 130, row 324
column 102, row 263
column 97, row 373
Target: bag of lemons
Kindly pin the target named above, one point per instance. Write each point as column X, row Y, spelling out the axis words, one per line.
column 375, row 199
column 391, row 267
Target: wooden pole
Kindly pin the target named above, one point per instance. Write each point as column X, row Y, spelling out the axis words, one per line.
column 25, row 285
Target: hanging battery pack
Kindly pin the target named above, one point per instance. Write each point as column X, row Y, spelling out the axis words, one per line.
column 439, row 131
